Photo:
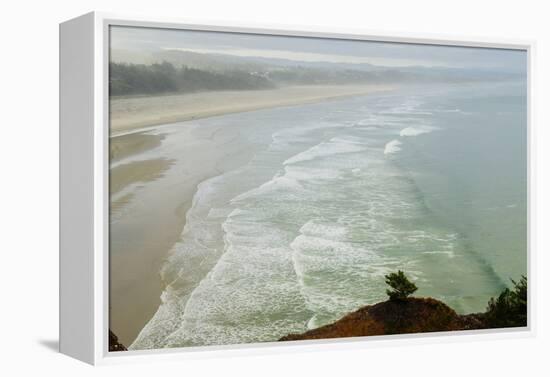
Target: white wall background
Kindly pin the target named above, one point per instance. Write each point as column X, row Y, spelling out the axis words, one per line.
column 29, row 200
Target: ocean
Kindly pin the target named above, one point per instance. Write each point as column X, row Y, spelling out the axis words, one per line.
column 431, row 180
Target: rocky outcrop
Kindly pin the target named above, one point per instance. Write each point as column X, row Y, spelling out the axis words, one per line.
column 114, row 344
column 410, row 315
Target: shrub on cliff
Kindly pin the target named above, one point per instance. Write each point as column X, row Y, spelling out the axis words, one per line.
column 510, row 308
column 401, row 287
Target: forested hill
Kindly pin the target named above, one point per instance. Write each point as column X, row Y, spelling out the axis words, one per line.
column 130, row 79
column 169, row 77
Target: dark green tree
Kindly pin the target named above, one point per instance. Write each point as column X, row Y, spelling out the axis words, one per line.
column 509, row 309
column 401, row 287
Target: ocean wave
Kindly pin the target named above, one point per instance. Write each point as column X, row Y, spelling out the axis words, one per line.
column 416, row 130
column 190, row 260
column 326, row 149
column 392, row 147
column 224, row 307
column 302, row 247
column 290, row 182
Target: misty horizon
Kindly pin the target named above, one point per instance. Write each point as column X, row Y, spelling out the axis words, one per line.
column 136, row 44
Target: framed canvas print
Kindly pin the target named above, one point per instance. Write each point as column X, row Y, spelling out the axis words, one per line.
column 229, row 188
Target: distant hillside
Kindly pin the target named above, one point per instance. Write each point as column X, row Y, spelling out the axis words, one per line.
column 190, row 59
column 131, row 79
column 186, row 71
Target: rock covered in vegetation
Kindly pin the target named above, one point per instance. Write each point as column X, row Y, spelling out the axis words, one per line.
column 410, row 315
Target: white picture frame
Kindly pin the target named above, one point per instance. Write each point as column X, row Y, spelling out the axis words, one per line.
column 84, row 190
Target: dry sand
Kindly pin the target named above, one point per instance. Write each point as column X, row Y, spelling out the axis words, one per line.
column 133, row 113
column 144, row 228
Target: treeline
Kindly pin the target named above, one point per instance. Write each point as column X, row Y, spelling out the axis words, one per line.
column 128, row 79
column 318, row 76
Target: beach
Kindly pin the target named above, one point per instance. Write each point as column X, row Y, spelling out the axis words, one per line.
column 137, row 112
column 148, row 214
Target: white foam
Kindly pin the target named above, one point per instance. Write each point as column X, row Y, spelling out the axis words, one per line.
column 281, row 182
column 313, row 323
column 415, row 131
column 338, row 146
column 289, row 181
column 320, row 248
column 346, row 139
column 317, row 229
column 459, row 111
column 372, row 121
column 449, row 253
column 392, row 147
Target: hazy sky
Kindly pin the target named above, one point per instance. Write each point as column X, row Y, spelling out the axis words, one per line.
column 316, row 49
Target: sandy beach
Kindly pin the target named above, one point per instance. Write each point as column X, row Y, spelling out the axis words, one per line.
column 133, row 113
column 148, row 213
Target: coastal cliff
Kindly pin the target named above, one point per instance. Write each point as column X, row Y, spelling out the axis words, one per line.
column 410, row 315
column 402, row 314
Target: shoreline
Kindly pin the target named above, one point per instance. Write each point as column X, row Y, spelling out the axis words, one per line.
column 134, row 114
column 148, row 215
column 144, row 235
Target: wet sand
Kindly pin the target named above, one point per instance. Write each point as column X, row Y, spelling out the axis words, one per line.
column 149, row 200
column 122, row 147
